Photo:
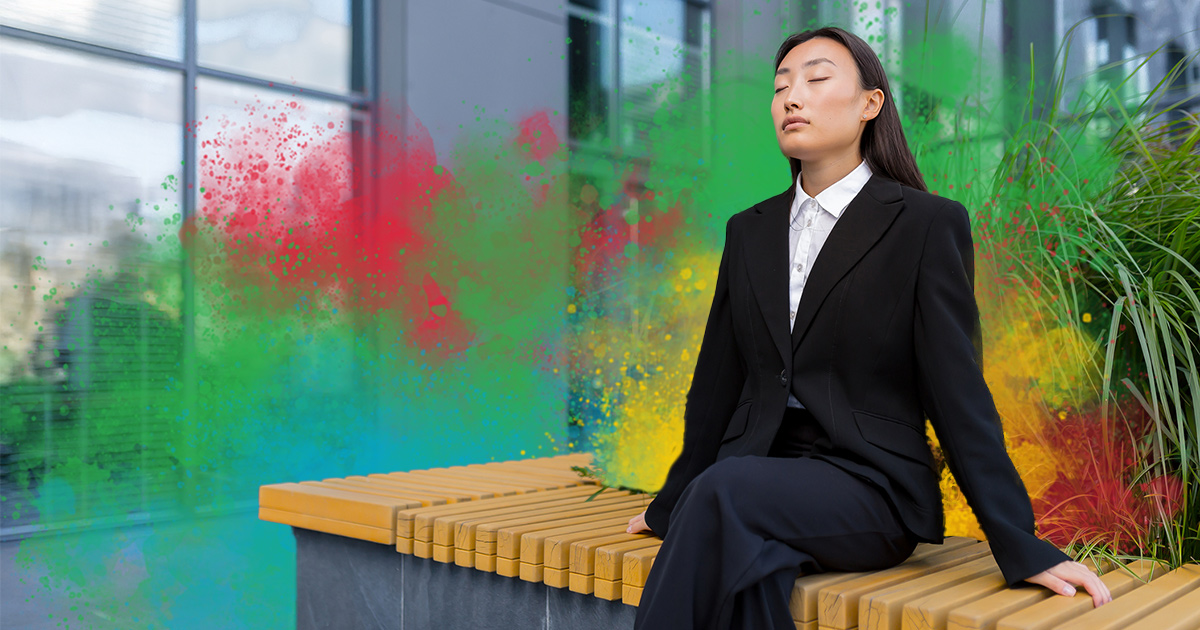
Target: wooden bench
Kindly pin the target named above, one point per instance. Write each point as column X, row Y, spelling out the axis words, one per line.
column 515, row 544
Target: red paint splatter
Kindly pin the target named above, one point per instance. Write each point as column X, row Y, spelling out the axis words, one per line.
column 288, row 211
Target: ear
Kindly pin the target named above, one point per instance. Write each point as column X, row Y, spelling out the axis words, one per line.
column 874, row 104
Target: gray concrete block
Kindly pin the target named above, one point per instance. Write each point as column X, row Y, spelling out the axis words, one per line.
column 347, row 583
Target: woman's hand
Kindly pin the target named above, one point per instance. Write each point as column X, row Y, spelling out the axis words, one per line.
column 638, row 524
column 1061, row 576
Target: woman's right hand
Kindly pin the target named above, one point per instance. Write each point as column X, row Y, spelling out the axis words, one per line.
column 638, row 524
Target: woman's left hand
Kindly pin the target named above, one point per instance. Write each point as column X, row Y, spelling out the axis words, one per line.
column 1061, row 576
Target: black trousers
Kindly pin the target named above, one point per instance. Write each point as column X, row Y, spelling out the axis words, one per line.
column 744, row 529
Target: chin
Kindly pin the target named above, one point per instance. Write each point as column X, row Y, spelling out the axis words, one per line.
column 794, row 149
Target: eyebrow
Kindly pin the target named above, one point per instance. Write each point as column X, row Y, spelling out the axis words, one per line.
column 810, row 62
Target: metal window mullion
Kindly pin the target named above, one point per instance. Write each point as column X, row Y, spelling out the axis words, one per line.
column 614, row 95
column 893, row 41
column 190, row 177
column 189, row 24
column 144, row 400
column 706, row 82
column 589, row 15
column 283, row 88
column 92, row 49
column 47, row 445
column 365, row 154
column 371, row 53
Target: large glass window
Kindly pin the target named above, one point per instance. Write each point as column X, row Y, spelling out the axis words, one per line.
column 636, row 69
column 589, row 79
column 662, row 65
column 88, row 148
column 308, row 43
column 149, row 27
column 630, row 59
column 95, row 102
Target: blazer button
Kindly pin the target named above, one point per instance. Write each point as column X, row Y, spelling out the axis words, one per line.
column 783, row 378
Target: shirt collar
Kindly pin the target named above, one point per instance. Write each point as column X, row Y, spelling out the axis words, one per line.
column 835, row 198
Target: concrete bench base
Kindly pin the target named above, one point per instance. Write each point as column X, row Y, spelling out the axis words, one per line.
column 347, row 583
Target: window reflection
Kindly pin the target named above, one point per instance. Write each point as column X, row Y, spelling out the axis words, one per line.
column 589, row 72
column 307, row 153
column 659, row 68
column 290, row 41
column 89, row 171
column 149, row 27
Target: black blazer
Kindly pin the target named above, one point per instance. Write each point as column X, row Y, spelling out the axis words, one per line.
column 886, row 334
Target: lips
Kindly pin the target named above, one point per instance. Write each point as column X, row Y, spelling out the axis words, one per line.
column 790, row 120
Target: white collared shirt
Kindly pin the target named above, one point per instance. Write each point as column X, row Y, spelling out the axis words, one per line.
column 811, row 220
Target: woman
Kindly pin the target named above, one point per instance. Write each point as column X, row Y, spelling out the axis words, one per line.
column 805, row 451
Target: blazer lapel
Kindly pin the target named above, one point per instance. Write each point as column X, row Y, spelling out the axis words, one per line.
column 765, row 247
column 862, row 223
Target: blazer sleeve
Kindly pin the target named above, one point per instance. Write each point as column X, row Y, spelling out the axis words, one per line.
column 959, row 404
column 716, row 384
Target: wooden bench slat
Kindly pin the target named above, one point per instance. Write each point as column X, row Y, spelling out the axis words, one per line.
column 807, row 588
column 1054, row 610
column 631, row 594
column 407, row 500
column 459, row 492
column 1139, row 602
column 468, row 530
column 327, row 525
column 1181, row 614
column 929, row 612
column 377, row 488
column 437, row 490
column 512, row 539
column 982, row 613
column 610, row 590
column 838, row 606
column 500, row 487
column 500, row 475
column 352, row 507
column 406, row 519
column 636, row 565
column 579, row 555
column 611, row 558
column 504, row 537
column 586, row 559
column 585, row 584
column 883, row 609
column 558, row 578
column 558, row 546
column 548, row 481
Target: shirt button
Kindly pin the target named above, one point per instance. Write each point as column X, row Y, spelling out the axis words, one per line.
column 793, row 314
column 799, row 266
column 783, row 378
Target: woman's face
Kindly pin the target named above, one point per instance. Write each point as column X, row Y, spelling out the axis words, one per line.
column 818, row 81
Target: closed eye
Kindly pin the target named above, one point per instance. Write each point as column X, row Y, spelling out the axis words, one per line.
column 778, row 90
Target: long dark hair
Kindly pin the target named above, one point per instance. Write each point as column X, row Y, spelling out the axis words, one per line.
column 882, row 146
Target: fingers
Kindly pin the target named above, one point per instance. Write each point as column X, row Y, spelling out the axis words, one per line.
column 1094, row 586
column 637, row 524
column 1056, row 584
column 1063, row 577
